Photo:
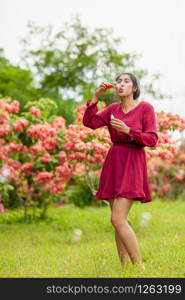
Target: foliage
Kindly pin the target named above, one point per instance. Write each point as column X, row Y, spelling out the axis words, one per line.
column 68, row 64
column 59, row 255
column 31, row 163
column 16, row 82
column 71, row 61
column 80, row 193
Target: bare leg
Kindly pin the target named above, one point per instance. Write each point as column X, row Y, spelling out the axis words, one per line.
column 122, row 252
column 120, row 210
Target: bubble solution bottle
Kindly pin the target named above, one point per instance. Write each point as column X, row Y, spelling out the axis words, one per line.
column 110, row 85
column 113, row 85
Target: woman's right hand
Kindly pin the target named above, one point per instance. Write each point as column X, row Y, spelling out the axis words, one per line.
column 102, row 88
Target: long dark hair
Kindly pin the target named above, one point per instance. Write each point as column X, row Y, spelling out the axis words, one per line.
column 135, row 82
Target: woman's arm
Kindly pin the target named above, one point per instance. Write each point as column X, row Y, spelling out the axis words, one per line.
column 94, row 119
column 149, row 135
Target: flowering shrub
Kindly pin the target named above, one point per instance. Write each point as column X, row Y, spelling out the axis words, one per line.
column 166, row 163
column 31, row 161
column 39, row 156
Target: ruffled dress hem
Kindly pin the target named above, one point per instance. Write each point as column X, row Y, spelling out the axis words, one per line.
column 135, row 196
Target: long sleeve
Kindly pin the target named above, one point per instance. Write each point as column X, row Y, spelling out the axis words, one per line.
column 94, row 119
column 149, row 135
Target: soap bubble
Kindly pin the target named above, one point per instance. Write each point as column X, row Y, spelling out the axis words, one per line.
column 4, row 173
column 145, row 218
column 118, row 85
column 77, row 233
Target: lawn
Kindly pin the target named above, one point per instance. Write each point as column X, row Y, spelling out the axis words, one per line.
column 48, row 249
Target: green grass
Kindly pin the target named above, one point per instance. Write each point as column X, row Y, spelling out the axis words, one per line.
column 47, row 248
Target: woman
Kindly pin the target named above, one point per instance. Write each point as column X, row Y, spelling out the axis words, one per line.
column 123, row 179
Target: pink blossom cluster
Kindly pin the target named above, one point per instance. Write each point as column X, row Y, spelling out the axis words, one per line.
column 46, row 158
column 43, row 177
column 166, row 121
column 41, row 131
column 59, row 123
column 164, row 189
column 39, row 152
column 50, row 144
column 35, row 111
column 36, row 149
column 10, row 108
column 19, row 125
column 27, row 168
column 80, row 150
column 4, row 117
column 14, row 147
column 5, row 129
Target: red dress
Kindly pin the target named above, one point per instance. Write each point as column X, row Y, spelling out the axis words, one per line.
column 124, row 172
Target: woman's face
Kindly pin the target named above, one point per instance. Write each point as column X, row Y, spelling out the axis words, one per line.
column 124, row 85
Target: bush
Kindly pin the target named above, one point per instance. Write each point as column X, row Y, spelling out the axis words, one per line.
column 80, row 193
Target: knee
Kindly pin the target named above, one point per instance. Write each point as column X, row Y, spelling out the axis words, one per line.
column 117, row 222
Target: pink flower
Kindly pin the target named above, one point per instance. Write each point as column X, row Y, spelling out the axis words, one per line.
column 164, row 189
column 19, row 125
column 77, row 155
column 37, row 148
column 35, row 111
column 13, row 147
column 43, row 177
column 182, row 157
column 46, row 158
column 179, row 177
column 56, row 188
column 63, row 173
column 2, row 104
column 2, row 209
column 27, row 168
column 41, row 131
column 152, row 186
column 11, row 169
column 4, row 117
column 59, row 123
column 50, row 144
column 14, row 163
column 13, row 107
column 62, row 157
column 4, row 129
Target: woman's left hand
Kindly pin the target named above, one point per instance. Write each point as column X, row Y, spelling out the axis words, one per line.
column 120, row 125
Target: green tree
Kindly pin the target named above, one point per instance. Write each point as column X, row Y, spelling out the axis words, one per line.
column 69, row 63
column 16, row 82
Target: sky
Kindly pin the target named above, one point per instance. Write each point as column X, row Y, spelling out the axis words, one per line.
column 153, row 28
